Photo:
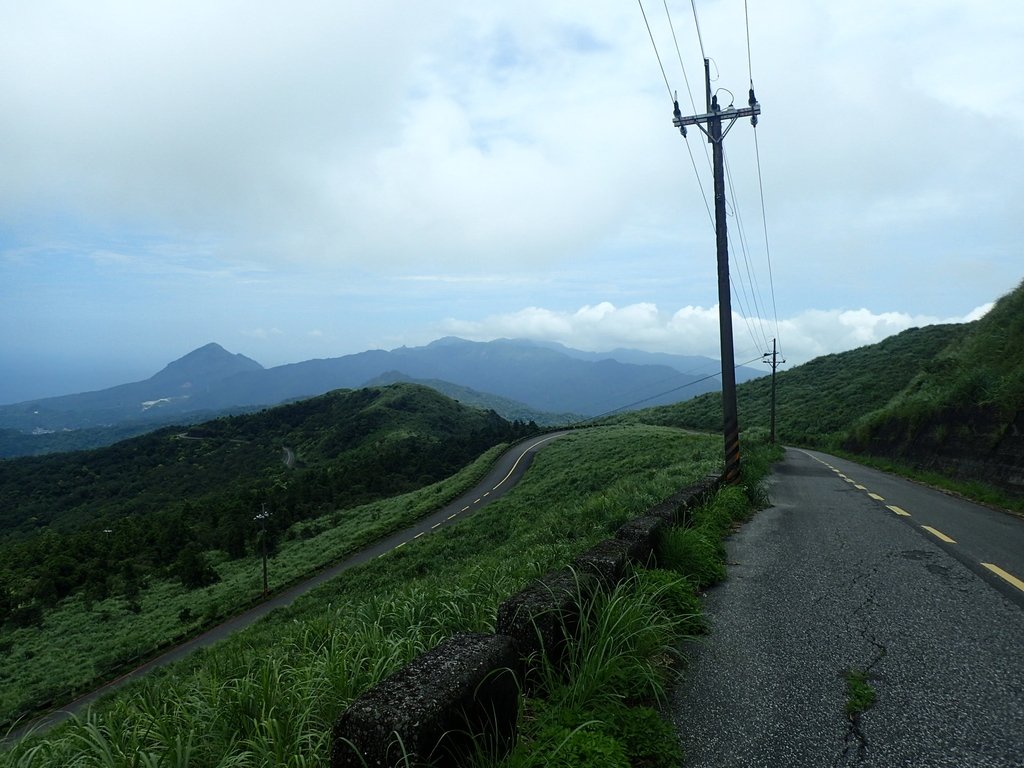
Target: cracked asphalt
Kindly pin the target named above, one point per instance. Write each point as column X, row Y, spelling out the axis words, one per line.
column 829, row 580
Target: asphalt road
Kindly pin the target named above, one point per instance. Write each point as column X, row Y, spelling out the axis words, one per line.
column 835, row 577
column 503, row 476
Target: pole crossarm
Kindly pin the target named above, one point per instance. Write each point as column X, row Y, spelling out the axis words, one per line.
column 726, row 114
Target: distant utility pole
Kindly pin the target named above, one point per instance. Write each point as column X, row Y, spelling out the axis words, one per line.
column 774, row 363
column 262, row 517
column 713, row 119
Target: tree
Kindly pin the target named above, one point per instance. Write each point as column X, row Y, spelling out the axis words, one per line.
column 193, row 570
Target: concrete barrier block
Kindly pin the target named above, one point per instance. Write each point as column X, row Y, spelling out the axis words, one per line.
column 644, row 529
column 437, row 710
column 608, row 560
column 545, row 615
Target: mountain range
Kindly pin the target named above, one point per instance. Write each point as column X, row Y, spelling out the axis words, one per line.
column 526, row 379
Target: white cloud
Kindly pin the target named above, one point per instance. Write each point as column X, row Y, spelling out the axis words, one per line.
column 694, row 330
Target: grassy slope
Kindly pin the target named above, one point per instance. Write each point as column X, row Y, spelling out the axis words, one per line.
column 963, row 411
column 503, row 406
column 270, row 694
column 983, row 368
column 823, row 397
column 82, row 641
column 137, row 475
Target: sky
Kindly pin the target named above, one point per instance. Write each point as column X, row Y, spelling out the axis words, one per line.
column 317, row 178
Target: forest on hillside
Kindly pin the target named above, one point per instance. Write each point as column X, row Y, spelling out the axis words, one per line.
column 106, row 521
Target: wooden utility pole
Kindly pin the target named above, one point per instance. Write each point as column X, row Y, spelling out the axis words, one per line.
column 262, row 517
column 713, row 120
column 774, row 363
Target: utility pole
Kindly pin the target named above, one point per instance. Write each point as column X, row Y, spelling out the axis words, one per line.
column 774, row 363
column 262, row 517
column 713, row 119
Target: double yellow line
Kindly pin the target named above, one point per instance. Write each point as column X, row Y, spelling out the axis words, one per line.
column 1005, row 575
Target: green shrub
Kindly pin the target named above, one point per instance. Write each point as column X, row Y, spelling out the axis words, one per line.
column 559, row 747
column 696, row 553
column 644, row 738
column 622, row 644
column 676, row 596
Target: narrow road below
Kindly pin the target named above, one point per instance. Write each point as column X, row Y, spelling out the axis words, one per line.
column 853, row 570
column 502, row 477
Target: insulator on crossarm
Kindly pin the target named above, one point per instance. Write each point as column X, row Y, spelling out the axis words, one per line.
column 752, row 101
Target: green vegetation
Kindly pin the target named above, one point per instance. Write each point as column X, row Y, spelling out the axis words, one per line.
column 817, row 401
column 503, row 406
column 269, row 695
column 108, row 555
column 945, row 401
column 860, row 695
column 602, row 709
column 81, row 641
column 962, row 411
column 106, row 523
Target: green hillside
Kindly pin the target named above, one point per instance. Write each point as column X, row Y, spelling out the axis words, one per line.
column 819, row 400
column 963, row 412
column 503, row 406
column 106, row 520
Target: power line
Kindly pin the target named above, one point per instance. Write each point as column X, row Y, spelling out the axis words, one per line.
column 679, row 55
column 755, row 289
column 750, row 68
column 655, row 46
column 693, row 104
column 696, row 21
column 653, row 397
column 760, row 182
column 767, row 248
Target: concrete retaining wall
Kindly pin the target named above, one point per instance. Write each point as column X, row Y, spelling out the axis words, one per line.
column 464, row 694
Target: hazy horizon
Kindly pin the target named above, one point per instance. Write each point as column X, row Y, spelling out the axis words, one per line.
column 316, row 180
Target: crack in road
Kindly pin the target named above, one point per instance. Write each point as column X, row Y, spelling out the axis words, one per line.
column 855, row 738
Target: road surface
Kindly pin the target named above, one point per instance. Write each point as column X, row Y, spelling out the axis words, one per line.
column 856, row 570
column 503, row 476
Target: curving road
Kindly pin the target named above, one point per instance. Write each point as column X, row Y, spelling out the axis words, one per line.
column 853, row 569
column 503, row 476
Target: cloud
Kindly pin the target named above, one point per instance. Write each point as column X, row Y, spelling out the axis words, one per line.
column 694, row 330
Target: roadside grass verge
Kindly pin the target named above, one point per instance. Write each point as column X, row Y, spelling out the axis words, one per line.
column 269, row 694
column 601, row 709
column 81, row 643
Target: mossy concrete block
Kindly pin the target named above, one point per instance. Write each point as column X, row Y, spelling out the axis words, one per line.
column 545, row 615
column 437, row 710
column 609, row 559
column 695, row 495
column 644, row 530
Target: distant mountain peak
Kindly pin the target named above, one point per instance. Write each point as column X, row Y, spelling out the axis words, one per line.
column 210, row 362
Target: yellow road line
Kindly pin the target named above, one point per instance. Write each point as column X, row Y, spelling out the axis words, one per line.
column 419, row 534
column 859, row 487
column 435, row 525
column 936, row 532
column 465, row 508
column 876, row 497
column 521, row 455
column 452, row 515
column 399, row 546
column 487, row 494
column 843, row 476
column 898, row 511
column 1004, row 575
column 851, row 482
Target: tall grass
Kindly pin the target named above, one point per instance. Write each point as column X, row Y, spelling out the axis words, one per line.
column 81, row 642
column 269, row 695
